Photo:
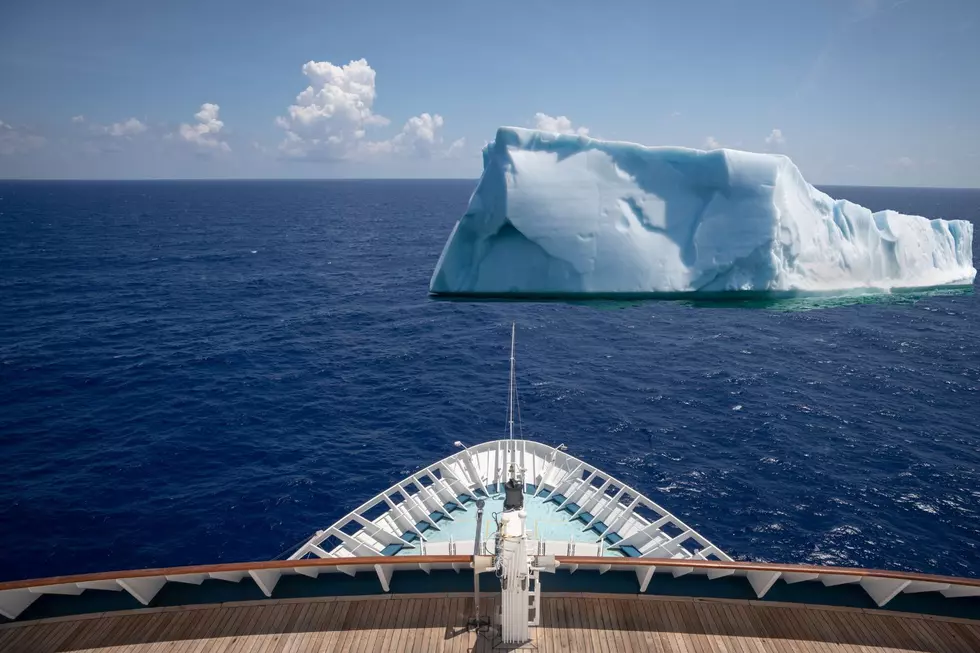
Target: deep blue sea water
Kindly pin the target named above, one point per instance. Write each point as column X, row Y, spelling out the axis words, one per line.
column 195, row 372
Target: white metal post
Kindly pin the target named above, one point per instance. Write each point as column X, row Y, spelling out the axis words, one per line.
column 515, row 578
column 510, row 394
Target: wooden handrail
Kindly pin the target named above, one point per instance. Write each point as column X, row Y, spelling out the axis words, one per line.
column 767, row 566
column 465, row 559
column 237, row 566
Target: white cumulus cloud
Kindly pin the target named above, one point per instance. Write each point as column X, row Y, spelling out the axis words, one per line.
column 122, row 129
column 329, row 119
column 560, row 125
column 17, row 141
column 330, row 116
column 711, row 143
column 419, row 137
column 421, row 132
column 205, row 133
column 775, row 137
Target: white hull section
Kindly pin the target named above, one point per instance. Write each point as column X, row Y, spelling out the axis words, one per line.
column 574, row 509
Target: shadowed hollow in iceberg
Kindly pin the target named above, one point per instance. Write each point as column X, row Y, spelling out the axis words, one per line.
column 558, row 215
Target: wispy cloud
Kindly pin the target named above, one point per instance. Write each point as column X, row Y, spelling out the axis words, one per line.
column 97, row 139
column 16, row 140
column 858, row 11
column 124, row 129
column 775, row 138
column 711, row 143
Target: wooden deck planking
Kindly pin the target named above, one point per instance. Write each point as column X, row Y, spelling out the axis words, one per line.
column 438, row 624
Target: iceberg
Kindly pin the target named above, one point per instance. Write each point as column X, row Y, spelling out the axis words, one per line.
column 558, row 215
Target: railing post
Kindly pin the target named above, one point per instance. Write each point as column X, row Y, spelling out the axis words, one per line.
column 480, row 563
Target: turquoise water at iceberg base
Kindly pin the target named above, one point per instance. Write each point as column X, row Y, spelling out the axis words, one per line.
column 196, row 372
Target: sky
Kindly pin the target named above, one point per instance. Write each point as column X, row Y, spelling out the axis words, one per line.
column 857, row 92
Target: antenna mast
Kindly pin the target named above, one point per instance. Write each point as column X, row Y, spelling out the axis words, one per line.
column 510, row 394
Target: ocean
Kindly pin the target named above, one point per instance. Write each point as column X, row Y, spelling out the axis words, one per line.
column 200, row 372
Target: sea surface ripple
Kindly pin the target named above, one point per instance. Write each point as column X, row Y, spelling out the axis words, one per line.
column 195, row 372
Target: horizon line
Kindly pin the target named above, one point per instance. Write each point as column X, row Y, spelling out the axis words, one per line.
column 362, row 179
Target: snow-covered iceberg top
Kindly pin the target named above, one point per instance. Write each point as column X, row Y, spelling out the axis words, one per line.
column 558, row 215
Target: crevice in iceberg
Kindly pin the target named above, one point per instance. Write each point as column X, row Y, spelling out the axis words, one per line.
column 843, row 222
column 631, row 208
column 788, row 261
column 884, row 228
column 725, row 279
column 509, row 259
column 689, row 248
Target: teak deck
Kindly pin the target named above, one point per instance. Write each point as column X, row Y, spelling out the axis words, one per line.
column 437, row 623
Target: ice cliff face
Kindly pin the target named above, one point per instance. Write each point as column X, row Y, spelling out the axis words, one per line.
column 567, row 215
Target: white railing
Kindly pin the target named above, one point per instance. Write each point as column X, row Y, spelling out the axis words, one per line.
column 554, row 473
column 664, row 543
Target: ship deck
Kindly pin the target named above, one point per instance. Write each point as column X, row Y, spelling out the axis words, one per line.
column 570, row 622
column 573, row 509
column 549, row 528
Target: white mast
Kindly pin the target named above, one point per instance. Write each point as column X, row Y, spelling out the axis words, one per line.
column 512, row 562
column 510, row 394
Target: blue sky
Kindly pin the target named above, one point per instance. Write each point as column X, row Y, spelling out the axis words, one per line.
column 864, row 92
